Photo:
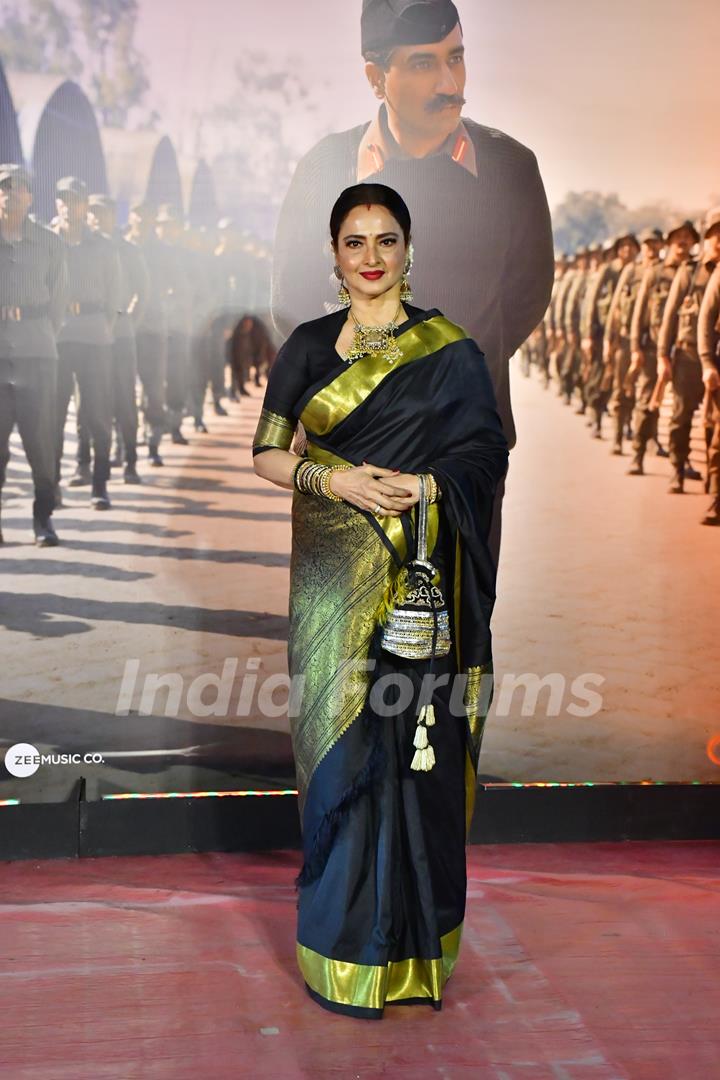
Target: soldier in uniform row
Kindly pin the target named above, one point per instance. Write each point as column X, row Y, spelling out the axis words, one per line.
column 709, row 348
column 33, row 282
column 594, row 325
column 678, row 354
column 85, row 339
column 102, row 217
column 151, row 331
column 569, row 367
column 653, row 322
column 645, row 330
column 178, row 291
column 616, row 343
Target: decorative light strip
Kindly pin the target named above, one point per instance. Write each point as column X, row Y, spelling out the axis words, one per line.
column 9, row 802
column 193, row 794
column 600, row 783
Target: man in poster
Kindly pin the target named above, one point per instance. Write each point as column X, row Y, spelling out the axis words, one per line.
column 482, row 232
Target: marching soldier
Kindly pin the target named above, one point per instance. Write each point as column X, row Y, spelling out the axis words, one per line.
column 558, row 319
column 85, row 340
column 709, row 347
column 251, row 346
column 571, row 315
column 616, row 343
column 678, row 356
column 102, row 217
column 644, row 331
column 152, row 327
column 199, row 248
column 548, row 320
column 593, row 322
column 33, row 278
column 169, row 230
column 237, row 268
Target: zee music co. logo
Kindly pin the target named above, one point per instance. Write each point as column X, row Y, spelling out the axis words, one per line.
column 24, row 759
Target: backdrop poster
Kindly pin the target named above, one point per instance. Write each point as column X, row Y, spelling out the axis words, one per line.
column 150, row 646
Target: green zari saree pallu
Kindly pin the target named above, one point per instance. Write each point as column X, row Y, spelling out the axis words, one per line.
column 382, row 889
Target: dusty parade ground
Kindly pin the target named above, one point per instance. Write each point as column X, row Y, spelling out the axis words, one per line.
column 604, row 582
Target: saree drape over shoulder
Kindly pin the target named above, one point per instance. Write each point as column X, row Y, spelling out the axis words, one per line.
column 382, row 889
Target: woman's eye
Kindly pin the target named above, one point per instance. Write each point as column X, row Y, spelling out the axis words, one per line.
column 389, row 241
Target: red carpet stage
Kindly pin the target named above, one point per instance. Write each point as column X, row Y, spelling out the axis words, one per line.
column 594, row 961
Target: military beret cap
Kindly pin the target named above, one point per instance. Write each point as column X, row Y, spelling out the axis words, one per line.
column 651, row 234
column 386, row 24
column 686, row 224
column 16, row 174
column 71, row 185
column 712, row 218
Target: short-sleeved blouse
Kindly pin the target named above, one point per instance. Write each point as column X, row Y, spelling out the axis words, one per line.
column 307, row 358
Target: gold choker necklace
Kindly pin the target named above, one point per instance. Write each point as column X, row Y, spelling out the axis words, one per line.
column 377, row 340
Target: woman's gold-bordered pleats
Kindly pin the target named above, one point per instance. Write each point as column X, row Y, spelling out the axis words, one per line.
column 369, row 986
column 273, row 430
column 339, row 571
column 351, row 387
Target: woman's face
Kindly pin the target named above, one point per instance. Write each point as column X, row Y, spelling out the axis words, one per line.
column 370, row 251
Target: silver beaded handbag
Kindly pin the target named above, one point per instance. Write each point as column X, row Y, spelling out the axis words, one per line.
column 418, row 627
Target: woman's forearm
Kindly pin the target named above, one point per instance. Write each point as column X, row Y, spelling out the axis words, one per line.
column 277, row 466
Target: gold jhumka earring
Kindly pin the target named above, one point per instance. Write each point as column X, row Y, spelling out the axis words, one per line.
column 406, row 294
column 343, row 294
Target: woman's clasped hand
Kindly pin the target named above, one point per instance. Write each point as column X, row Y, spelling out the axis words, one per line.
column 386, row 492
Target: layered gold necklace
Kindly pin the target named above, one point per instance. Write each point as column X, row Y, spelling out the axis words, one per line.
column 375, row 340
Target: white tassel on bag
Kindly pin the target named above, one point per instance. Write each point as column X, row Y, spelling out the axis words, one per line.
column 424, row 756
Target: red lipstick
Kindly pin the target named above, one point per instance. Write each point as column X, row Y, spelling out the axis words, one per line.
column 372, row 275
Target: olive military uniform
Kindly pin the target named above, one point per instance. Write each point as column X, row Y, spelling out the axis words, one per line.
column 85, row 347
column 644, row 333
column 678, row 340
column 709, row 349
column 33, row 278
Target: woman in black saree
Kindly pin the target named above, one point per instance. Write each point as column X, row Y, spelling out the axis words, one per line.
column 394, row 404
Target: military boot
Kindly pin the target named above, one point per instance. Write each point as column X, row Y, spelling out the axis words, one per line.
column 636, row 469
column 712, row 514
column 82, row 477
column 677, row 484
column 45, row 535
column 100, row 500
column 154, row 456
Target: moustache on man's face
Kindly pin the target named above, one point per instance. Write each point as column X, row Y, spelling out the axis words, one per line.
column 441, row 101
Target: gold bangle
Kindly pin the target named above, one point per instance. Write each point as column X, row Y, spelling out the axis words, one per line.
column 433, row 491
column 325, row 488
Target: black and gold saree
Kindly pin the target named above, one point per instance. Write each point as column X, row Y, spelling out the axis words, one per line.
column 382, row 888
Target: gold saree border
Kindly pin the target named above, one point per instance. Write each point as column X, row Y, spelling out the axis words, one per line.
column 274, row 430
column 349, row 389
column 340, row 569
column 370, row 986
column 473, row 693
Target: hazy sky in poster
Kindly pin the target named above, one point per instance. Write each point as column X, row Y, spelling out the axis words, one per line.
column 618, row 95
